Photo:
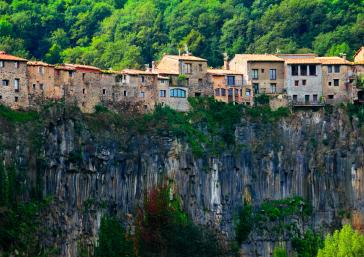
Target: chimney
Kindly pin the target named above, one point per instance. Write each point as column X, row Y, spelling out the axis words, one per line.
column 226, row 62
column 153, row 66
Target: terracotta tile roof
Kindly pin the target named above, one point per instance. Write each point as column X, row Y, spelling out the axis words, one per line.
column 334, row 60
column 186, row 57
column 303, row 61
column 259, row 57
column 222, row 72
column 137, row 72
column 7, row 57
column 357, row 52
column 39, row 63
column 359, row 63
column 81, row 66
column 65, row 67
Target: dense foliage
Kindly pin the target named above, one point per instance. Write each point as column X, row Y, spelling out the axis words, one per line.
column 120, row 33
column 346, row 242
column 162, row 229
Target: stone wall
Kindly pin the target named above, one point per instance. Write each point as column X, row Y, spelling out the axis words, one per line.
column 9, row 96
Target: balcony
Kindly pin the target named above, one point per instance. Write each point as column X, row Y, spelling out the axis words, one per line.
column 311, row 103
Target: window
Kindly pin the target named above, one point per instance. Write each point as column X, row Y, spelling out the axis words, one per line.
column 273, row 88
column 295, row 98
column 330, row 96
column 200, row 82
column 41, row 86
column 315, row 98
column 329, row 69
column 312, row 70
column 17, row 85
column 223, row 92
column 177, row 92
column 16, row 99
column 104, row 91
column 83, row 91
column 273, row 74
column 125, row 93
column 70, row 74
column 241, row 92
column 256, row 88
column 143, row 79
column 217, row 92
column 16, row 64
column 303, row 70
column 307, row 98
column 231, row 80
column 236, row 92
column 294, row 70
column 5, row 82
column 187, row 68
column 337, row 68
column 329, row 83
column 41, row 70
column 296, row 83
column 262, row 70
column 336, row 82
column 247, row 92
column 142, row 94
column 83, row 76
column 2, row 64
column 1, row 97
column 230, row 92
column 162, row 93
column 255, row 74
column 200, row 67
column 304, row 82
column 197, row 94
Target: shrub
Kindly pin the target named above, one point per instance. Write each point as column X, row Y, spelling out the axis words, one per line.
column 245, row 224
column 17, row 116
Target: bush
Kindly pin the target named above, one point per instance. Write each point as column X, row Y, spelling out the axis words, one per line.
column 17, row 116
column 308, row 244
column 245, row 224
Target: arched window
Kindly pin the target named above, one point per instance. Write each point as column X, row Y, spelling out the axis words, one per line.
column 177, row 92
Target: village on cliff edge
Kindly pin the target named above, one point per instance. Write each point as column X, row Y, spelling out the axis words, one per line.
column 296, row 80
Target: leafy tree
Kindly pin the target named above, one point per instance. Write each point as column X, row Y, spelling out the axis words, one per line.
column 113, row 241
column 308, row 244
column 344, row 242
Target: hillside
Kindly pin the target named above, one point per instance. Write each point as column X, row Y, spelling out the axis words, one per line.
column 120, row 33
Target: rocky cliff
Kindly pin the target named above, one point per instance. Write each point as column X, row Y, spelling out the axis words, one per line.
column 91, row 170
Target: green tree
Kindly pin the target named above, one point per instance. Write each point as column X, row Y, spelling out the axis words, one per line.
column 343, row 243
column 113, row 241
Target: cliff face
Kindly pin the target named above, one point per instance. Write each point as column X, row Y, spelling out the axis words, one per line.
column 310, row 154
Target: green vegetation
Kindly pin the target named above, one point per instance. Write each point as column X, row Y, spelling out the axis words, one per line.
column 343, row 243
column 279, row 251
column 356, row 111
column 17, row 116
column 162, row 229
column 307, row 245
column 129, row 33
column 113, row 241
column 278, row 214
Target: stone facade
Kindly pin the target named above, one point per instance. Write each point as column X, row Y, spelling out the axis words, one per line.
column 359, row 56
column 304, row 81
column 337, row 80
column 14, row 83
column 173, row 96
column 191, row 69
column 228, row 86
column 263, row 73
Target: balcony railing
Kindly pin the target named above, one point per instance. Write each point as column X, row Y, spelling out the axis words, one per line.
column 311, row 103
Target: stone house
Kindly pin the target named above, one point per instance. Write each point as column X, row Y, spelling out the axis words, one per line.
column 337, row 80
column 303, row 80
column 80, row 84
column 41, row 82
column 359, row 71
column 228, row 86
column 14, row 82
column 263, row 73
column 186, row 71
column 135, row 88
column 173, row 96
